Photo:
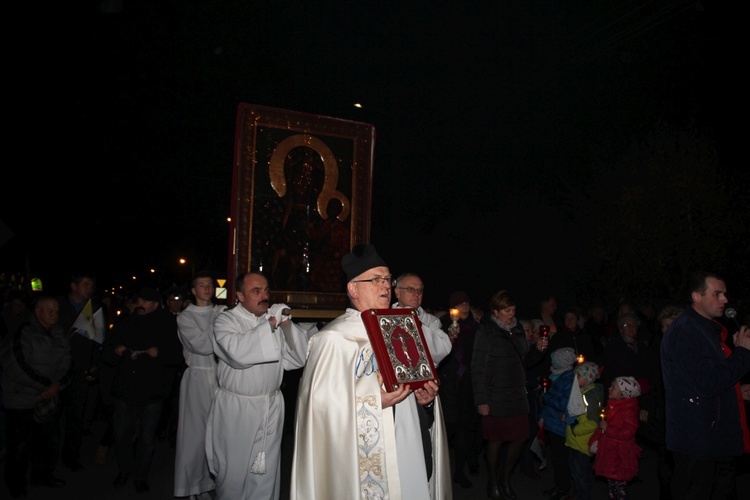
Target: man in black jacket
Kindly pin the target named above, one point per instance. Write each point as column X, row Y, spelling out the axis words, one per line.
column 706, row 426
column 145, row 352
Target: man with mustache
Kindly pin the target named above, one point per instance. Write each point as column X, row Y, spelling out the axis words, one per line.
column 143, row 353
column 255, row 343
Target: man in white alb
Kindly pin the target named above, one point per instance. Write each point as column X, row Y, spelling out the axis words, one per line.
column 195, row 328
column 255, row 343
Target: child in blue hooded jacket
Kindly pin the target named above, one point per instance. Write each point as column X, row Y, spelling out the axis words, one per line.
column 554, row 417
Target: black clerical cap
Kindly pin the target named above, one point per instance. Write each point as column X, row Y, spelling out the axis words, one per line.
column 362, row 258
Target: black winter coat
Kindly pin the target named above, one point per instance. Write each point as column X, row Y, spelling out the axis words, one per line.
column 499, row 369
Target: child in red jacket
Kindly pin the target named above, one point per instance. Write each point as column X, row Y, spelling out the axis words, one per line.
column 617, row 453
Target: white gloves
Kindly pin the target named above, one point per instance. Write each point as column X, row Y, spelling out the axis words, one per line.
column 278, row 311
column 216, row 311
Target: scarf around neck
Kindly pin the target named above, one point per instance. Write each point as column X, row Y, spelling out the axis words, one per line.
column 505, row 326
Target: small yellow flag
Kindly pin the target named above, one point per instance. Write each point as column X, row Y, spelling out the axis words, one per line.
column 90, row 324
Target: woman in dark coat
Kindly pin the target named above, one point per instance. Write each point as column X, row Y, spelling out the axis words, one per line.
column 501, row 354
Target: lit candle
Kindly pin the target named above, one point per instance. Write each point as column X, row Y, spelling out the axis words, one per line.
column 544, row 330
column 455, row 313
column 580, row 359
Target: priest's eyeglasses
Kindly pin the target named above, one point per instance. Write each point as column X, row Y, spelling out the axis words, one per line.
column 377, row 280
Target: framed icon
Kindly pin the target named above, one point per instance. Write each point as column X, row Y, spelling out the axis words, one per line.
column 301, row 199
column 400, row 347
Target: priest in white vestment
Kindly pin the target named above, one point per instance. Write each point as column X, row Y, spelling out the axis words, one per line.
column 348, row 442
column 255, row 343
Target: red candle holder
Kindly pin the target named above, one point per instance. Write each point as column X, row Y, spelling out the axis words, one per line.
column 544, row 381
column 544, row 331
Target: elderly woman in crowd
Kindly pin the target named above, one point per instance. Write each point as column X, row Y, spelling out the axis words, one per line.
column 625, row 354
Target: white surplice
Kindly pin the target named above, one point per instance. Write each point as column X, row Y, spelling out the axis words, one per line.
column 246, row 421
column 195, row 326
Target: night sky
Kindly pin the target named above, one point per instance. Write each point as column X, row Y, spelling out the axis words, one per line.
column 484, row 116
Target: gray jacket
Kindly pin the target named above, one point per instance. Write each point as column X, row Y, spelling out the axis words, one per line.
column 31, row 359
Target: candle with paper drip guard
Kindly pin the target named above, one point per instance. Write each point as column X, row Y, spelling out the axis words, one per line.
column 580, row 359
column 455, row 314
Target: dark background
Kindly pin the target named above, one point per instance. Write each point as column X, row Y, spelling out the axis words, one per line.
column 591, row 150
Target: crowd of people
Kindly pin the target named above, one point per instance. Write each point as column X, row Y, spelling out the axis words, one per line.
column 584, row 391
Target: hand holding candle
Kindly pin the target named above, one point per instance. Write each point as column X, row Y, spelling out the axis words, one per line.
column 544, row 336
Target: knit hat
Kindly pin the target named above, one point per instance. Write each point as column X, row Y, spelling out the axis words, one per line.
column 629, row 387
column 362, row 258
column 457, row 298
column 562, row 359
column 588, row 370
